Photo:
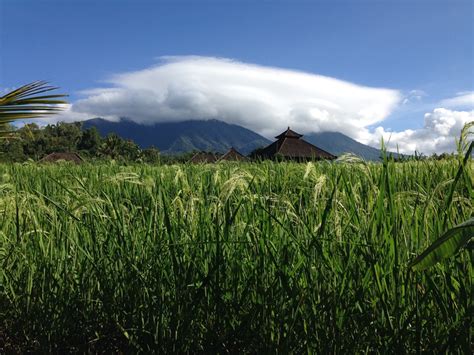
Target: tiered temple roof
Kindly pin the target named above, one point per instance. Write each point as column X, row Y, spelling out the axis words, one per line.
column 289, row 145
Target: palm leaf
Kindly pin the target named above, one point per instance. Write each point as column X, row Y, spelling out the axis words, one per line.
column 28, row 101
column 445, row 246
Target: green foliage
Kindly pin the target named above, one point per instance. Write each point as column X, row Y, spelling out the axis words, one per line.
column 237, row 258
column 116, row 147
column 29, row 101
column 34, row 142
column 461, row 235
column 90, row 141
column 150, row 155
column 257, row 153
column 446, row 246
column 12, row 150
column 62, row 137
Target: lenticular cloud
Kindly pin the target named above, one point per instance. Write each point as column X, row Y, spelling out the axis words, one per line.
column 263, row 99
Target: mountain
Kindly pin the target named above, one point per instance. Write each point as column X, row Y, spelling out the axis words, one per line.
column 218, row 136
column 337, row 143
column 185, row 136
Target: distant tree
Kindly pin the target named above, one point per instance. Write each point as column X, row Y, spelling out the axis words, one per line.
column 151, row 155
column 257, row 153
column 110, row 146
column 446, row 156
column 32, row 140
column 11, row 149
column 116, row 147
column 6, row 129
column 90, row 141
column 129, row 150
column 63, row 137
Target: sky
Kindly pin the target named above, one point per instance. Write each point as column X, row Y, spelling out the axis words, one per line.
column 398, row 69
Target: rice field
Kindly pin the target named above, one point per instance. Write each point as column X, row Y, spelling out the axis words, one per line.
column 245, row 257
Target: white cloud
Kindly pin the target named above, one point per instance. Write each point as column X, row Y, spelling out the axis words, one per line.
column 461, row 100
column 439, row 133
column 263, row 99
column 267, row 100
column 414, row 96
column 66, row 115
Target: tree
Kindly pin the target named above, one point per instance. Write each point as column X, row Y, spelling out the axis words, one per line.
column 151, row 155
column 33, row 140
column 90, row 141
column 11, row 149
column 257, row 153
column 129, row 150
column 110, row 146
column 116, row 147
column 63, row 137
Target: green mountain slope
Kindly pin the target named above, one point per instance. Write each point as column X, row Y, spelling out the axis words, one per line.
column 338, row 143
column 218, row 136
column 179, row 137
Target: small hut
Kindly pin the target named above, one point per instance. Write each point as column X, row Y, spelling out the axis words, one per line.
column 289, row 145
column 233, row 155
column 56, row 157
column 203, row 158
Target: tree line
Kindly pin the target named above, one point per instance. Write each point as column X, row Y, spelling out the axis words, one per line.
column 34, row 142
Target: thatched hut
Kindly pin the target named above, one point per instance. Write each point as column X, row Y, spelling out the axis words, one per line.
column 203, row 158
column 233, row 155
column 289, row 145
column 56, row 157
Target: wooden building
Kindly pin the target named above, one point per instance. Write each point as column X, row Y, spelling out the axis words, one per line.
column 233, row 155
column 289, row 145
column 56, row 157
column 203, row 158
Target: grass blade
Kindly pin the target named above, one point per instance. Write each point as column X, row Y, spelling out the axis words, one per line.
column 445, row 246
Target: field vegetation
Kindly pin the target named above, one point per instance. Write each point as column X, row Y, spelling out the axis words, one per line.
column 233, row 257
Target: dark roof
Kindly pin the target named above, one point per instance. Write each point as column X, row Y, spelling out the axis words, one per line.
column 54, row 157
column 233, row 154
column 289, row 134
column 203, row 157
column 290, row 145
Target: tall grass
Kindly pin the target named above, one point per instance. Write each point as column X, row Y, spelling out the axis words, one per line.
column 268, row 257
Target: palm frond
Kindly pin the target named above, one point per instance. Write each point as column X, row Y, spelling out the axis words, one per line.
column 28, row 101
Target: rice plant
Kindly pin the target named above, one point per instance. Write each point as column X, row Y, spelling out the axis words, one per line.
column 246, row 257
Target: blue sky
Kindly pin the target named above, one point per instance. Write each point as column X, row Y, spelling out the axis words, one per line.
column 424, row 50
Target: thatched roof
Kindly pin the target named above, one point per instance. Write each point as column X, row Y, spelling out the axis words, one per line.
column 55, row 157
column 203, row 157
column 234, row 155
column 289, row 134
column 290, row 146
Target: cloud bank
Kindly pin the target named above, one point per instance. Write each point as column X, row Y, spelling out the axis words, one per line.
column 441, row 128
column 414, row 96
column 265, row 100
column 461, row 100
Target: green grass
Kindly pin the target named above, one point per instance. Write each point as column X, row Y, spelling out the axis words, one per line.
column 260, row 258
